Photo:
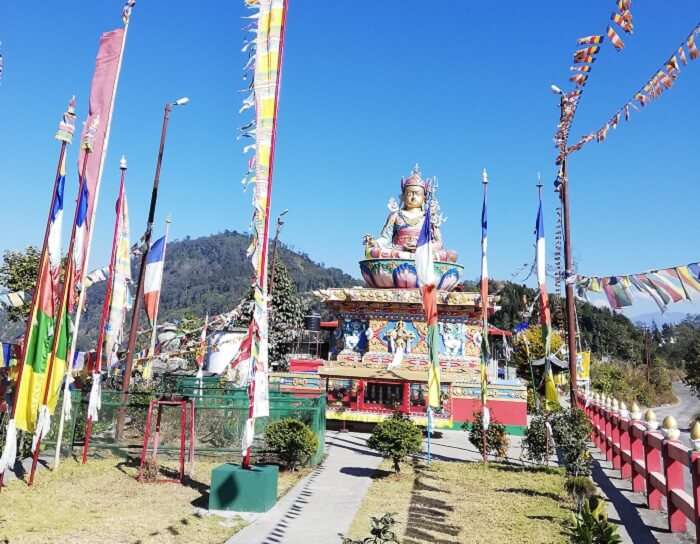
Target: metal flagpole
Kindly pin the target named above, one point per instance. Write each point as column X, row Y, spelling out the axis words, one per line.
column 133, row 330
column 484, row 315
column 107, row 300
column 430, row 432
column 69, row 117
column 63, row 308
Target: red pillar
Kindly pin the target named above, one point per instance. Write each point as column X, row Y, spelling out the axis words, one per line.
column 406, row 398
column 626, row 462
column 608, row 435
column 637, row 450
column 695, row 474
column 615, row 434
column 361, row 384
column 673, row 471
column 652, row 461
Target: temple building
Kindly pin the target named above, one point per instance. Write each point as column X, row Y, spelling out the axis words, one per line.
column 380, row 361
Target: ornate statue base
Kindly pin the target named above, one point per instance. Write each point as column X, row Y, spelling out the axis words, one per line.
column 401, row 274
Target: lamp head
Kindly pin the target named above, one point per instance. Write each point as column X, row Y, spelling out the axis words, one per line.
column 181, row 101
column 556, row 89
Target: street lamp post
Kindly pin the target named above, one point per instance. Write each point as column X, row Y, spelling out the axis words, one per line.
column 133, row 330
column 566, row 113
column 280, row 222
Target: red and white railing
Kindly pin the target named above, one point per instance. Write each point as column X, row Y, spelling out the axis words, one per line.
column 655, row 461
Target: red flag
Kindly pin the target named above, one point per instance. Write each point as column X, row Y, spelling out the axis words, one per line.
column 102, row 93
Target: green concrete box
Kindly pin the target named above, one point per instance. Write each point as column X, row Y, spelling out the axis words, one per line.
column 243, row 490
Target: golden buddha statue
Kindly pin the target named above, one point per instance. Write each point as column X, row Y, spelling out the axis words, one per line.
column 400, row 233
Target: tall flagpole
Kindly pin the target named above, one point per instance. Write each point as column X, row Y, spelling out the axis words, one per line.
column 62, row 310
column 106, row 303
column 66, row 138
column 262, row 273
column 126, row 17
column 134, row 326
column 484, row 313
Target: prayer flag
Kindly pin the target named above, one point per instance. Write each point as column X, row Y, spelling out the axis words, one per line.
column 119, row 280
column 624, row 21
column 540, row 259
column 579, row 79
column 269, row 34
column 681, row 55
column 692, row 48
column 38, row 351
column 153, row 277
column 426, row 280
column 615, row 39
column 663, row 285
column 590, row 40
column 585, row 68
column 102, row 95
column 690, row 275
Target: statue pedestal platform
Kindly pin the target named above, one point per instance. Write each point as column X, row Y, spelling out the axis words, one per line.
column 243, row 490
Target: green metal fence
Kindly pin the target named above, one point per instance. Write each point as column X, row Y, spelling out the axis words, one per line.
column 221, row 411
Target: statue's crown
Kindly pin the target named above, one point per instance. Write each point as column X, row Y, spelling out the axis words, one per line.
column 415, row 180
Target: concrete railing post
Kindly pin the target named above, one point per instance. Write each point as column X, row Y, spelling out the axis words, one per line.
column 673, row 473
column 652, row 462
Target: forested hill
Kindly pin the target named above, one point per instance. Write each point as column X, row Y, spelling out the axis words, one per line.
column 212, row 273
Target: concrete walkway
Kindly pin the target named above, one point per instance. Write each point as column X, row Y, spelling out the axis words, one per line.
column 324, row 503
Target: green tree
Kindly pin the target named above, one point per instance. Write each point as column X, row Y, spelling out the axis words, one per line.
column 395, row 438
column 286, row 315
column 292, row 440
column 692, row 365
column 529, row 346
column 18, row 272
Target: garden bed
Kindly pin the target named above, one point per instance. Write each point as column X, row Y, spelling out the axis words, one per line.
column 467, row 502
column 102, row 502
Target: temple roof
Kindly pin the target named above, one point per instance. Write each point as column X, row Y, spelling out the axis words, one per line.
column 401, row 296
column 382, row 374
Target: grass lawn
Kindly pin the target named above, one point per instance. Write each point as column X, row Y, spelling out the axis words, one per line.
column 454, row 503
column 102, row 502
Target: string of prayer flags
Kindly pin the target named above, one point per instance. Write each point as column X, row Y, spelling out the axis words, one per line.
column 663, row 286
column 583, row 59
column 662, row 80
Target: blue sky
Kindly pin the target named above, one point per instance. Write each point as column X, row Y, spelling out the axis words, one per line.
column 369, row 89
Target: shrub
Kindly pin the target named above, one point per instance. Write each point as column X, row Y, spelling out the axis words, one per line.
column 496, row 437
column 537, row 444
column 581, row 488
column 592, row 525
column 571, row 430
column 380, row 533
column 395, row 438
column 292, row 440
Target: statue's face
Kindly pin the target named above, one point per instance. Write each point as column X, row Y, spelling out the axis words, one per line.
column 413, row 197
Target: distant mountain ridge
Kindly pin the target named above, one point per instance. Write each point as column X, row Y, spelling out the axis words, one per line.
column 209, row 274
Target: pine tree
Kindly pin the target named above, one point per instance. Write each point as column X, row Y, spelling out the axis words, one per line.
column 286, row 316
